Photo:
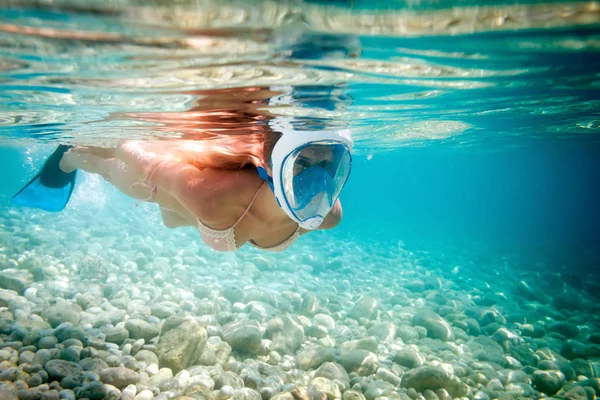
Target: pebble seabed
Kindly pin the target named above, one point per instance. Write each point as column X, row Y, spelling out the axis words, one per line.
column 94, row 308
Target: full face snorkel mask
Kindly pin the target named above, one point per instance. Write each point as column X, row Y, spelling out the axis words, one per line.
column 310, row 168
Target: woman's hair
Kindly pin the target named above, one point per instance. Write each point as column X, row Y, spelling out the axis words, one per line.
column 224, row 130
column 232, row 152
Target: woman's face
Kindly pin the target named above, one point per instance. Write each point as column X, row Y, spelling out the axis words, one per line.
column 314, row 156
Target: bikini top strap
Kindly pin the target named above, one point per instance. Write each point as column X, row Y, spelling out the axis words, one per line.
column 249, row 205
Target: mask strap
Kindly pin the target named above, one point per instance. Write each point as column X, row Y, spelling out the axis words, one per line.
column 262, row 173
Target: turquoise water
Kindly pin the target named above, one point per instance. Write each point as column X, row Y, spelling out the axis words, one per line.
column 466, row 262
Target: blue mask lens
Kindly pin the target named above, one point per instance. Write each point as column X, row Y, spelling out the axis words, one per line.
column 310, row 183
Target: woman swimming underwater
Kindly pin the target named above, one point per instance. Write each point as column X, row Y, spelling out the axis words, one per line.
column 265, row 189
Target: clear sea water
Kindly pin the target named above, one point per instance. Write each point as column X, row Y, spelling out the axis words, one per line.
column 476, row 123
column 474, row 126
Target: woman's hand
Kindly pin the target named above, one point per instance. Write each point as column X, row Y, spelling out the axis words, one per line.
column 333, row 218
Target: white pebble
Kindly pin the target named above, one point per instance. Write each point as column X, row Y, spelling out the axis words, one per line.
column 325, row 321
column 166, row 372
column 129, row 392
column 443, row 394
column 238, row 307
column 112, row 392
column 152, row 369
column 481, row 396
column 274, row 358
column 137, row 346
column 19, row 314
column 213, row 331
column 144, row 395
column 495, row 384
column 183, row 374
column 265, row 345
column 113, row 348
column 287, row 365
column 183, row 377
column 226, row 392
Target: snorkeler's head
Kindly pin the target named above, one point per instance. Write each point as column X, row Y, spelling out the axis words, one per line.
column 308, row 171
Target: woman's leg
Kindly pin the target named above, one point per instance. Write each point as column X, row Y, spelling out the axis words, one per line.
column 102, row 152
column 113, row 170
column 76, row 157
column 128, row 175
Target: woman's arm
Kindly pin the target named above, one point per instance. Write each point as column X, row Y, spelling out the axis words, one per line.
column 172, row 219
column 334, row 217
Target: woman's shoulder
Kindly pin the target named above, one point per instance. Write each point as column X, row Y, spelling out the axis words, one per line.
column 215, row 194
column 230, row 183
column 211, row 182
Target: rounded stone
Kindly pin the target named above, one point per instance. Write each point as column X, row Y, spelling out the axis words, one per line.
column 274, row 358
column 58, row 314
column 388, row 376
column 564, row 328
column 316, row 331
column 119, row 377
column 325, row 321
column 34, row 380
column 246, row 394
column 243, row 336
column 137, row 346
column 95, row 365
column 362, row 362
column 180, row 342
column 232, row 293
column 9, row 374
column 140, row 329
column 47, row 342
column 437, row 327
column 26, row 357
column 144, row 395
column 67, row 394
column 533, row 330
column 433, row 378
column 94, row 390
column 129, row 392
column 313, row 356
column 60, row 369
column 70, row 354
column 407, row 358
column 327, row 387
column 548, row 382
column 353, row 395
column 146, row 356
column 334, row 372
column 229, row 379
column 415, row 285
column 309, row 304
column 116, row 335
column 366, row 307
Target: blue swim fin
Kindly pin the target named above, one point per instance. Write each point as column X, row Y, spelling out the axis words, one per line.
column 51, row 188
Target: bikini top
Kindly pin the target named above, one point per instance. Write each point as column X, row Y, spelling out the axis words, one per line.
column 224, row 239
